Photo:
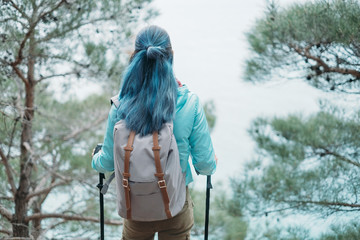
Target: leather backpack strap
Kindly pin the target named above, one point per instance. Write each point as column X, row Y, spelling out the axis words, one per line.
column 126, row 174
column 159, row 173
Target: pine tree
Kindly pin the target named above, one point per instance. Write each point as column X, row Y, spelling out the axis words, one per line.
column 317, row 41
column 309, row 164
column 306, row 164
column 49, row 51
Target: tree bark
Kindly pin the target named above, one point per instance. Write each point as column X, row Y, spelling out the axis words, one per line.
column 19, row 224
column 36, row 223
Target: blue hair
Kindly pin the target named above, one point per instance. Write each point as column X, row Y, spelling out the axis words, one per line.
column 149, row 89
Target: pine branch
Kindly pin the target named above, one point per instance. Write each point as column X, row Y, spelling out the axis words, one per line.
column 56, row 75
column 50, row 227
column 55, row 173
column 51, row 35
column 76, row 132
column 45, row 195
column 12, row 136
column 20, row 56
column 19, row 10
column 8, row 172
column 24, row 25
column 46, row 190
column 5, row 213
column 5, row 114
column 7, row 232
column 340, row 157
column 41, row 186
column 282, row 209
column 344, row 91
column 40, row 216
column 306, row 53
column 63, row 58
column 325, row 203
column 11, row 19
column 7, row 198
column 20, row 74
column 50, row 11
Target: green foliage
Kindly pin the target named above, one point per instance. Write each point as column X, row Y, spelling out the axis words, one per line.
column 342, row 232
column 81, row 39
column 209, row 108
column 225, row 222
column 316, row 40
column 278, row 233
column 59, row 48
column 308, row 164
column 58, row 130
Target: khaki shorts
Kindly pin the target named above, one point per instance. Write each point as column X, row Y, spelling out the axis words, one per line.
column 176, row 228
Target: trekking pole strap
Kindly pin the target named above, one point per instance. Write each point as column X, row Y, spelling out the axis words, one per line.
column 105, row 187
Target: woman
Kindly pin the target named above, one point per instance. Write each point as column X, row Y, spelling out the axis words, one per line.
column 150, row 96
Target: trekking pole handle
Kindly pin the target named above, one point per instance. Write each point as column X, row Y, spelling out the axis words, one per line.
column 208, row 182
column 101, row 175
column 97, row 148
column 100, row 186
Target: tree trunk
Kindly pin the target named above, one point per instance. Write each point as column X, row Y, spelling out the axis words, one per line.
column 19, row 225
column 36, row 223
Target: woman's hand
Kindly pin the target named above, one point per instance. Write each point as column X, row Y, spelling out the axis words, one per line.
column 93, row 152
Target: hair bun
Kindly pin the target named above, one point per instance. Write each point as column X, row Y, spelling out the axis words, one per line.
column 154, row 52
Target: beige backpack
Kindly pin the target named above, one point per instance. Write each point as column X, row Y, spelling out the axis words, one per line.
column 150, row 183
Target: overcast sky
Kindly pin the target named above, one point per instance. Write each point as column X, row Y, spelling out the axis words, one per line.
column 210, row 48
column 208, row 38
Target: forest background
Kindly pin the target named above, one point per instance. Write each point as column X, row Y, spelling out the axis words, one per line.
column 305, row 165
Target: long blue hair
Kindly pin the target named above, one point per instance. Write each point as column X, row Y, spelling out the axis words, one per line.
column 149, row 88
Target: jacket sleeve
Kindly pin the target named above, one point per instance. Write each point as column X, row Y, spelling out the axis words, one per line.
column 202, row 151
column 103, row 161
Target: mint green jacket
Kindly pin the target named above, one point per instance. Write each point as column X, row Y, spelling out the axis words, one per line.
column 191, row 132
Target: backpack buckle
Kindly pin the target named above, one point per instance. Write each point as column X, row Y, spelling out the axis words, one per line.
column 127, row 148
column 125, row 183
column 162, row 184
column 156, row 148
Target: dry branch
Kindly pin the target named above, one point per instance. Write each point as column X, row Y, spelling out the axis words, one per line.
column 306, row 53
column 39, row 216
column 5, row 213
column 76, row 132
column 57, row 75
column 7, row 232
column 8, row 172
column 45, row 190
column 340, row 157
column 326, row 203
column 19, row 10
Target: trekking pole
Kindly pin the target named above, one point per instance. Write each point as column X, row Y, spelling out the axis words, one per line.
column 100, row 186
column 208, row 187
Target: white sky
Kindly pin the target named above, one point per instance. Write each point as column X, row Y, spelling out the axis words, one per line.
column 208, row 38
column 210, row 47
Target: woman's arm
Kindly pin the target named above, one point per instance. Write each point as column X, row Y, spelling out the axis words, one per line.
column 103, row 161
column 202, row 151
